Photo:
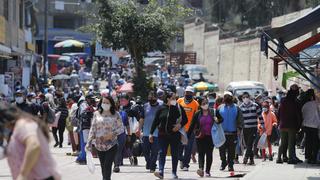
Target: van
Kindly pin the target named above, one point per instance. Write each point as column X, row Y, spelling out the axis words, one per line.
column 252, row 87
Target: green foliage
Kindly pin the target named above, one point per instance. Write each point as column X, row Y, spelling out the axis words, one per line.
column 138, row 29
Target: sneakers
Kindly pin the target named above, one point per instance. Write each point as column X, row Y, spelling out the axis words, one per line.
column 279, row 161
column 174, row 176
column 270, row 158
column 200, row 172
column 116, row 169
column 208, row 174
column 81, row 162
column 251, row 162
column 185, row 169
column 230, row 168
column 223, row 166
column 245, row 160
column 181, row 165
column 285, row 159
column 56, row 145
column 158, row 175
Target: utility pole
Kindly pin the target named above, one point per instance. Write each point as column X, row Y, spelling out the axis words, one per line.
column 45, row 45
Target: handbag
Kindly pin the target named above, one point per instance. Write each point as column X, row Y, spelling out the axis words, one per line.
column 217, row 134
column 184, row 137
column 262, row 143
column 56, row 120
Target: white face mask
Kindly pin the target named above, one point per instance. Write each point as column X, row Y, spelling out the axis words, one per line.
column 173, row 102
column 105, row 107
column 205, row 107
column 34, row 101
column 246, row 100
column 19, row 100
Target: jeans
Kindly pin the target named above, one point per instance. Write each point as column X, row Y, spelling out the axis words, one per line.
column 121, row 144
column 288, row 138
column 205, row 148
column 106, row 158
column 61, row 127
column 312, row 143
column 186, row 151
column 249, row 137
column 164, row 142
column 83, row 141
column 150, row 152
column 228, row 147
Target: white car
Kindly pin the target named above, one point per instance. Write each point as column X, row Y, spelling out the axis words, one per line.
column 252, row 87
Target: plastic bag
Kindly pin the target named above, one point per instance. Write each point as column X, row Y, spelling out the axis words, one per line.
column 184, row 137
column 90, row 163
column 262, row 143
column 217, row 135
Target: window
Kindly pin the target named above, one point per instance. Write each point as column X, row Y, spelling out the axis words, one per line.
column 67, row 21
column 6, row 9
column 21, row 14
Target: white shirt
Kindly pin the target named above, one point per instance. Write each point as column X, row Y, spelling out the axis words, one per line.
column 311, row 114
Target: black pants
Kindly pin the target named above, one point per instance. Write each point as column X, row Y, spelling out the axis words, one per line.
column 228, row 147
column 312, row 143
column 249, row 137
column 106, row 159
column 205, row 148
column 61, row 127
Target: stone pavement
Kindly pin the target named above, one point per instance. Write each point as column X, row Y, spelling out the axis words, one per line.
column 263, row 170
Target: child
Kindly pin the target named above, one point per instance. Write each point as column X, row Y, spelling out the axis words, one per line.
column 270, row 121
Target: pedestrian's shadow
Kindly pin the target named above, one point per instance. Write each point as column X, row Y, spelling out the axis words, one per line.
column 307, row 166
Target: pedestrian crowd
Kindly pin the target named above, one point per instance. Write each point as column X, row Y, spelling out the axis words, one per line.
column 113, row 126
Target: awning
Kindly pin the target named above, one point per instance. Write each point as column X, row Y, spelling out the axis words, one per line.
column 5, row 49
column 297, row 28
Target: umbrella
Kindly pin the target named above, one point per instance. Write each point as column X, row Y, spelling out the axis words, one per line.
column 204, row 86
column 69, row 43
column 61, row 77
column 125, row 88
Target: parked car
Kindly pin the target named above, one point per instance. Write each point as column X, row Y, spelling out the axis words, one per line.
column 194, row 71
column 252, row 87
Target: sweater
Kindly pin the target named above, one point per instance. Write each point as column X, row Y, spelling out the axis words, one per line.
column 290, row 116
column 251, row 112
column 166, row 118
column 311, row 114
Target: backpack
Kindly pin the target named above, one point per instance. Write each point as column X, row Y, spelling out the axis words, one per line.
column 75, row 115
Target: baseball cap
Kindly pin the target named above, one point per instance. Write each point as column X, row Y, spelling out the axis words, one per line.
column 227, row 93
column 189, row 89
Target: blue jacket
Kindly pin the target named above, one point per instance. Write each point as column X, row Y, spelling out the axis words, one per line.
column 231, row 118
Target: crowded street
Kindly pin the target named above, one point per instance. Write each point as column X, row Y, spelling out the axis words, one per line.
column 159, row 89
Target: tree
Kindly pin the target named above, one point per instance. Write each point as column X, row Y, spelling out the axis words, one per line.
column 139, row 29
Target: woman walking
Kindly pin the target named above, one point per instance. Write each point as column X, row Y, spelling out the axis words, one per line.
column 62, row 107
column 28, row 151
column 202, row 123
column 104, row 131
column 169, row 119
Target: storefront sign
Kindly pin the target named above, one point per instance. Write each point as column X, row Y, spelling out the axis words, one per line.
column 2, row 30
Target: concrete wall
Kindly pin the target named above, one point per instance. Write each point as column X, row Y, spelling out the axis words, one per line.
column 229, row 60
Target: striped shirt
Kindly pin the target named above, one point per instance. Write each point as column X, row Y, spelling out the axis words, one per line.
column 251, row 112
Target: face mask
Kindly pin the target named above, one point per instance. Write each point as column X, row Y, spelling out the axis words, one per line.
column 265, row 109
column 38, row 101
column 173, row 102
column 246, row 100
column 188, row 97
column 205, row 107
column 33, row 101
column 211, row 100
column 105, row 107
column 152, row 101
column 19, row 100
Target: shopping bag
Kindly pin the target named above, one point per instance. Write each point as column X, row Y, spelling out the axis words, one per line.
column 262, row 143
column 184, row 137
column 90, row 163
column 218, row 136
column 56, row 120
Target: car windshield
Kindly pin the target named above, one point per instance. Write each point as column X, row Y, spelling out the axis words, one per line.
column 251, row 91
column 197, row 69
